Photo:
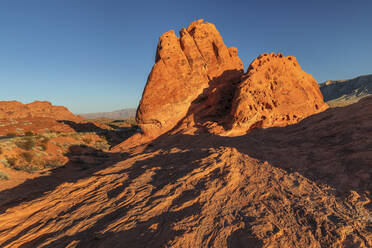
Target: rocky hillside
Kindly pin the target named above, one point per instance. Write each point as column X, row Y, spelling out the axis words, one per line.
column 17, row 118
column 38, row 109
column 345, row 92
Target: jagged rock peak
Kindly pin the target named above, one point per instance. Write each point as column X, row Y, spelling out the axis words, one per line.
column 184, row 67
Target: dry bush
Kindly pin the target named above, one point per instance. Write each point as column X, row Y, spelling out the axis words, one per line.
column 44, row 143
column 27, row 156
column 29, row 133
column 44, row 147
column 54, row 163
column 11, row 161
column 87, row 140
column 11, row 135
column 4, row 175
column 26, row 144
column 29, row 169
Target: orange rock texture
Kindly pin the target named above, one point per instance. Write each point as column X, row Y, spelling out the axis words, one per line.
column 197, row 84
column 184, row 67
column 275, row 91
column 305, row 185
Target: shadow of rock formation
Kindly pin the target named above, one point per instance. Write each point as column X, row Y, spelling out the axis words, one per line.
column 331, row 148
column 211, row 109
column 113, row 137
column 83, row 162
column 266, row 187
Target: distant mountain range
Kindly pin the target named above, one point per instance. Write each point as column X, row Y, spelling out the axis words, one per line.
column 118, row 114
column 344, row 92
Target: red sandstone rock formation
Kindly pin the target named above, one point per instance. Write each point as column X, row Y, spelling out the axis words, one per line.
column 275, row 91
column 15, row 109
column 197, row 84
column 39, row 116
column 184, row 67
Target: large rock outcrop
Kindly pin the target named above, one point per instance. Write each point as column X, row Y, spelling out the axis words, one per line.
column 16, row 110
column 198, row 85
column 275, row 91
column 37, row 117
column 184, row 67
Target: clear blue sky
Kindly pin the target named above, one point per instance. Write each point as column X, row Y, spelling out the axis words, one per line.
column 95, row 55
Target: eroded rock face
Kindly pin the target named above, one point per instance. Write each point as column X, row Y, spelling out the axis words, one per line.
column 37, row 117
column 184, row 67
column 15, row 109
column 197, row 85
column 275, row 91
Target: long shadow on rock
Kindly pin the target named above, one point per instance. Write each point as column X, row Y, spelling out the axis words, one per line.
column 168, row 169
column 113, row 137
column 244, row 238
column 331, row 148
column 214, row 104
column 143, row 234
column 83, row 162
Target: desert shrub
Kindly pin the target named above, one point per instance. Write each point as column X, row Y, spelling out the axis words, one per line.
column 44, row 143
column 102, row 145
column 11, row 161
column 27, row 144
column 11, row 135
column 87, row 140
column 44, row 140
column 4, row 175
column 27, row 156
column 29, row 133
column 54, row 163
column 29, row 169
column 5, row 163
column 44, row 147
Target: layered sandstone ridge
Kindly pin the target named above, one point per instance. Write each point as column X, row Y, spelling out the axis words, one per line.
column 184, row 67
column 275, row 91
column 37, row 117
column 43, row 109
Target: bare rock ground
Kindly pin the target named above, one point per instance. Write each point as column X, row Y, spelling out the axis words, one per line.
column 304, row 185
